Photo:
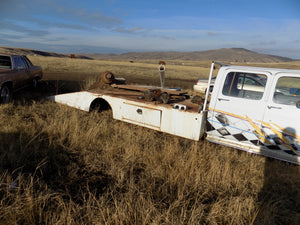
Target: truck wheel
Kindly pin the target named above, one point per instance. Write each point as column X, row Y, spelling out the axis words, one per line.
column 5, row 94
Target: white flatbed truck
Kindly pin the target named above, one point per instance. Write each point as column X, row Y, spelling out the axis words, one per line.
column 250, row 108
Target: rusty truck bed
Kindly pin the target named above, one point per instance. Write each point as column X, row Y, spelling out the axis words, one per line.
column 135, row 93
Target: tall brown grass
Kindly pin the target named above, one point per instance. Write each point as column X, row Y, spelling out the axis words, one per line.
column 59, row 165
column 143, row 72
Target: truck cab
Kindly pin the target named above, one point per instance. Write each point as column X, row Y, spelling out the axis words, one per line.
column 255, row 109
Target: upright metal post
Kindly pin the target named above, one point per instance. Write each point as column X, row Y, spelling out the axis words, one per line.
column 161, row 70
column 208, row 86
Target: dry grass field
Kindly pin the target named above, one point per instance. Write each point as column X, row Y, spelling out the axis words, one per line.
column 139, row 72
column 59, row 165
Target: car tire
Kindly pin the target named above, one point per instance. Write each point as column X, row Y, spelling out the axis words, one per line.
column 5, row 94
column 35, row 82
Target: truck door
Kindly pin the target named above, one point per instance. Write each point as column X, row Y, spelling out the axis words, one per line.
column 236, row 109
column 281, row 122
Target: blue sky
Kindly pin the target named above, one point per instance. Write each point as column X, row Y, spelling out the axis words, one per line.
column 117, row 26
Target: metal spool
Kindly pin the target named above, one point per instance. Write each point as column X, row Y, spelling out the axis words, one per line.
column 107, row 77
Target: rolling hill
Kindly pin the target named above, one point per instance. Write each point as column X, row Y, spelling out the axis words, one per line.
column 224, row 55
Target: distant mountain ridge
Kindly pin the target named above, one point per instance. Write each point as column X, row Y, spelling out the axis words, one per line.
column 223, row 54
column 24, row 51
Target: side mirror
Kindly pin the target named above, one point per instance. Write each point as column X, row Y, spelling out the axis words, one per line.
column 298, row 104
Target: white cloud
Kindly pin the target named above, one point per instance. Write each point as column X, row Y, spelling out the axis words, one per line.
column 129, row 30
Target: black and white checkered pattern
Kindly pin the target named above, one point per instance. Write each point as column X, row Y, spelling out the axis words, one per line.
column 239, row 132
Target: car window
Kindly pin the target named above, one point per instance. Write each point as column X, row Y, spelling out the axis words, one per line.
column 287, row 91
column 19, row 63
column 5, row 62
column 244, row 85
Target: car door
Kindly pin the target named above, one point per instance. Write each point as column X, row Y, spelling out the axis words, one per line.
column 30, row 73
column 281, row 121
column 20, row 72
column 236, row 111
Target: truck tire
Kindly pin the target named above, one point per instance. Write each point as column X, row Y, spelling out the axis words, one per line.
column 5, row 94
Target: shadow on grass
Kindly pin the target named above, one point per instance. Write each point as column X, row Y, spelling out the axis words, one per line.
column 45, row 89
column 279, row 199
column 62, row 170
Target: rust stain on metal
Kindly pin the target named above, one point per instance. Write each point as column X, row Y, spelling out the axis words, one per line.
column 137, row 96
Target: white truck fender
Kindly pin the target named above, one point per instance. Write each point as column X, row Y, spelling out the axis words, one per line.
column 80, row 100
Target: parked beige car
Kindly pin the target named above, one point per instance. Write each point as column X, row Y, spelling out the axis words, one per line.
column 16, row 72
column 201, row 85
column 248, row 83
